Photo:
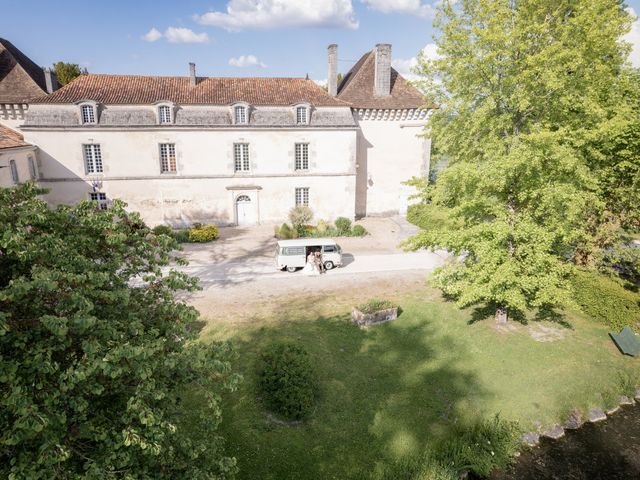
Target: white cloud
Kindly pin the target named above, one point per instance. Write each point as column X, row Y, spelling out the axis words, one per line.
column 411, row 7
column 405, row 66
column 185, row 35
column 152, row 35
column 268, row 14
column 633, row 37
column 246, row 61
column 176, row 35
column 322, row 83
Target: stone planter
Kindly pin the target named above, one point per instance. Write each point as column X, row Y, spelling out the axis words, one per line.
column 381, row 316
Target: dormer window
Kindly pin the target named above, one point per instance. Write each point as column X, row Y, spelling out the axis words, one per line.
column 88, row 113
column 164, row 114
column 302, row 115
column 240, row 114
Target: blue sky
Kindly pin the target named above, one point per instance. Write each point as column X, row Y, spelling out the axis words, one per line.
column 223, row 37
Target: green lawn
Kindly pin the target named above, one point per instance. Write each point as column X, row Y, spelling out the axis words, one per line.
column 387, row 391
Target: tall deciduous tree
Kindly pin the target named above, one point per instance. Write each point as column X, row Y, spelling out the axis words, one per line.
column 66, row 72
column 521, row 85
column 100, row 374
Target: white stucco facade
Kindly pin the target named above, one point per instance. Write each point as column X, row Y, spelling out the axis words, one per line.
column 390, row 152
column 205, row 186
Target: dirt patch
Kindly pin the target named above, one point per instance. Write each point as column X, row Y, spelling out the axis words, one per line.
column 316, row 296
column 546, row 333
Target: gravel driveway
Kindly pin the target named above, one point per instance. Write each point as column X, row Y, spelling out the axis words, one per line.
column 240, row 265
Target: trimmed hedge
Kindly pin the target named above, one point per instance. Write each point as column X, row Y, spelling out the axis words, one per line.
column 287, row 380
column 606, row 300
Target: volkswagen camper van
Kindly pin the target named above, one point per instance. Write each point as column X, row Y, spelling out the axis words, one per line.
column 292, row 254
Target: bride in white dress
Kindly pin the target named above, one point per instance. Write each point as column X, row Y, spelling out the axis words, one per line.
column 311, row 267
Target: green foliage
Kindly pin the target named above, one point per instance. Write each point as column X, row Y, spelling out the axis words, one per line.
column 96, row 352
column 343, row 225
column 66, row 72
column 287, row 380
column 285, row 232
column 299, row 216
column 375, row 305
column 425, row 467
column 480, row 447
column 606, row 300
column 203, row 233
column 358, row 231
column 322, row 227
column 162, row 230
column 429, row 216
column 512, row 125
column 181, row 235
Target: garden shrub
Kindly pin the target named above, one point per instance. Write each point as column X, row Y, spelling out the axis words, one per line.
column 375, row 305
column 299, row 216
column 181, row 235
column 163, row 230
column 343, row 225
column 203, row 233
column 287, row 380
column 322, row 227
column 359, row 231
column 285, row 231
column 606, row 300
column 480, row 447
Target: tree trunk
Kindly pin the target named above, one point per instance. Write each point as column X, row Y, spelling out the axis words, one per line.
column 501, row 315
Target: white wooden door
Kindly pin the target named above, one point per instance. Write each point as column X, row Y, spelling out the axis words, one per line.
column 245, row 211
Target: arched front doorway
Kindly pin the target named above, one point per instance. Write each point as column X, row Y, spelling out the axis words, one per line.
column 245, row 211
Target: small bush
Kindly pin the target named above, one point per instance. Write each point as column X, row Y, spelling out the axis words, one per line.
column 359, row 231
column 276, row 231
column 287, row 380
column 300, row 215
column 606, row 300
column 375, row 305
column 181, row 235
column 202, row 234
column 322, row 227
column 162, row 230
column 343, row 225
column 285, row 232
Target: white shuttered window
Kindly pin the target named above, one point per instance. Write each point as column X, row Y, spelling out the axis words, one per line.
column 168, row 158
column 241, row 157
column 92, row 158
column 302, row 156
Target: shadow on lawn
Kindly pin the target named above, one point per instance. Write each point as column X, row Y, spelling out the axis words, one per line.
column 385, row 394
column 487, row 312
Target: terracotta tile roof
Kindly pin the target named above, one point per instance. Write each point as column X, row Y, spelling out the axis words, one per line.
column 20, row 78
column 11, row 139
column 140, row 90
column 357, row 88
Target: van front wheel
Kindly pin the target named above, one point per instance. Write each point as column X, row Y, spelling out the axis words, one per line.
column 291, row 269
column 328, row 265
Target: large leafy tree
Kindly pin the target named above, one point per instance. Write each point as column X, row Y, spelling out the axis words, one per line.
column 521, row 86
column 100, row 373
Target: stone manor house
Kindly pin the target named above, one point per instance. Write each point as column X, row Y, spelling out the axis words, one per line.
column 226, row 150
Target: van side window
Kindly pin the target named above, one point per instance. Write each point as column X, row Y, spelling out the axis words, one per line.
column 329, row 248
column 293, row 250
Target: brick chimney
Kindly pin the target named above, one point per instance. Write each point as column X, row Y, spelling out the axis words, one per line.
column 382, row 77
column 332, row 79
column 192, row 74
